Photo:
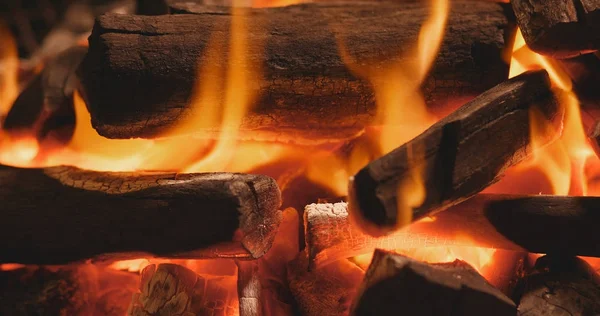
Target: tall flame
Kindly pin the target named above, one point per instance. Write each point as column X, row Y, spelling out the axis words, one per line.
column 562, row 161
column 9, row 65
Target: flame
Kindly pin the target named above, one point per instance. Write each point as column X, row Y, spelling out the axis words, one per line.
column 563, row 161
column 9, row 69
column 478, row 257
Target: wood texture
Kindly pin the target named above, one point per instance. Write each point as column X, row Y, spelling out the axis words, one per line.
column 397, row 283
column 46, row 104
column 559, row 28
column 516, row 223
column 326, row 291
column 61, row 214
column 249, row 289
column 456, row 157
column 170, row 289
column 559, row 286
column 140, row 71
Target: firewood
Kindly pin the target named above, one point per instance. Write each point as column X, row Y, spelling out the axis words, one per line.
column 138, row 84
column 325, row 291
column 560, row 285
column 559, row 28
column 249, row 289
column 516, row 223
column 62, row 214
column 397, row 283
column 456, row 157
column 46, row 104
column 170, row 289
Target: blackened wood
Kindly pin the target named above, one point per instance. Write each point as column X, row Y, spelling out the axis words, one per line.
column 397, row 283
column 61, row 214
column 458, row 156
column 559, row 28
column 46, row 104
column 140, row 71
column 171, row 289
column 151, row 7
column 516, row 223
column 560, row 285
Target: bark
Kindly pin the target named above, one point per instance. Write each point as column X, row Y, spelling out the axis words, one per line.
column 397, row 283
column 61, row 214
column 559, row 286
column 516, row 223
column 46, row 104
column 559, row 28
column 170, row 289
column 456, row 157
column 141, row 71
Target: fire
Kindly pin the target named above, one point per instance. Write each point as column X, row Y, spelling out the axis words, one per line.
column 563, row 162
column 9, row 66
column 479, row 258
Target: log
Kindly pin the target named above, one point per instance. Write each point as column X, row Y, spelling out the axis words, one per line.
column 559, row 28
column 515, row 223
column 560, row 285
column 326, row 291
column 61, row 214
column 397, row 283
column 170, row 289
column 140, row 71
column 46, row 104
column 455, row 158
column 249, row 289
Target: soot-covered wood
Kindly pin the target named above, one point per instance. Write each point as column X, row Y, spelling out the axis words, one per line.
column 61, row 214
column 559, row 28
column 397, row 283
column 140, row 71
column 559, row 285
column 516, row 223
column 456, row 157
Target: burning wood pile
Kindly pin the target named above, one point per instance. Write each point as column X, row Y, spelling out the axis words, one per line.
column 328, row 158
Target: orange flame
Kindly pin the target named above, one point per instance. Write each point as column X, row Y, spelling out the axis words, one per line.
column 9, row 66
column 564, row 160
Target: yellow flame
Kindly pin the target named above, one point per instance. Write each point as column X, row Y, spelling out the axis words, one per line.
column 564, row 160
column 9, row 66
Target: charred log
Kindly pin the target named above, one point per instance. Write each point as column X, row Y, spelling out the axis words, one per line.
column 61, row 214
column 455, row 158
column 560, row 285
column 170, row 289
column 307, row 90
column 394, row 282
column 559, row 28
column 46, row 104
column 515, row 223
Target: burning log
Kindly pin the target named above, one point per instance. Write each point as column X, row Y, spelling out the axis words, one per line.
column 507, row 222
column 249, row 289
column 559, row 28
column 455, row 158
column 325, row 291
column 394, row 282
column 170, row 289
column 47, row 102
column 61, row 214
column 307, row 90
column 560, row 286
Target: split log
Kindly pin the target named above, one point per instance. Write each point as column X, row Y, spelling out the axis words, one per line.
column 249, row 289
column 326, row 291
column 170, row 289
column 140, row 71
column 456, row 157
column 559, row 28
column 62, row 214
column 515, row 223
column 46, row 104
column 559, row 286
column 397, row 283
